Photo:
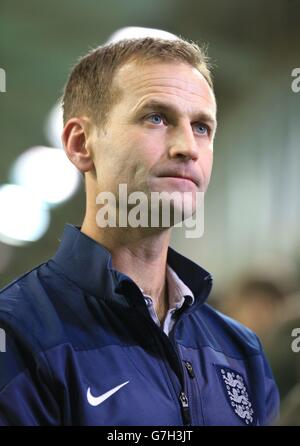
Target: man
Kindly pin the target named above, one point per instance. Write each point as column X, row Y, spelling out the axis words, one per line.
column 114, row 329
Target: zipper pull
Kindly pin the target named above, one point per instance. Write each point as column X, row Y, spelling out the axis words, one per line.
column 185, row 409
column 190, row 369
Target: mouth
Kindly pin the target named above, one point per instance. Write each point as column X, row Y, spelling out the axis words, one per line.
column 181, row 178
column 181, row 175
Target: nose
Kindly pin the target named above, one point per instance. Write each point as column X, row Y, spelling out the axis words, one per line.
column 182, row 142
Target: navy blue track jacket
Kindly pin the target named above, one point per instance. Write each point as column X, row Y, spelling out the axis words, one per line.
column 82, row 349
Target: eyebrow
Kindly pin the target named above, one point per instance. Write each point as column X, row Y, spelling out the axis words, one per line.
column 155, row 104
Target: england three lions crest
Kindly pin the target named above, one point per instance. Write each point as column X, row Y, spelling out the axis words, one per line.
column 237, row 393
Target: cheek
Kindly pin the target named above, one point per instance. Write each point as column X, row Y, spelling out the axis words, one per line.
column 206, row 163
column 142, row 151
column 127, row 157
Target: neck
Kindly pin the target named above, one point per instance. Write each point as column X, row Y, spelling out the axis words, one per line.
column 140, row 253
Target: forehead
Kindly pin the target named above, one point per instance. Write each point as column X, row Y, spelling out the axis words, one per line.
column 177, row 81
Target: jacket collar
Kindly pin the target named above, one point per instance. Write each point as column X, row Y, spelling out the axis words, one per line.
column 88, row 264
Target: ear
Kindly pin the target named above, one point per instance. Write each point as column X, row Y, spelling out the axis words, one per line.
column 75, row 139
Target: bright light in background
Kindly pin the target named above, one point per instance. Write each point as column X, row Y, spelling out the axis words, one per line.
column 137, row 32
column 24, row 218
column 54, row 126
column 43, row 176
column 47, row 172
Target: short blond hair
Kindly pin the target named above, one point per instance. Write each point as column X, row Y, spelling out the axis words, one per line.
column 89, row 90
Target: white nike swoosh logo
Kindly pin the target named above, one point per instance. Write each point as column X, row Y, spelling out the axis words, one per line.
column 95, row 401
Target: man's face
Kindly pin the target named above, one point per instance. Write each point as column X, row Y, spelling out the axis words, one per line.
column 159, row 136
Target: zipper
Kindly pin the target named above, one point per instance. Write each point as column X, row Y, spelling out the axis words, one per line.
column 183, row 400
column 190, row 369
column 167, row 344
column 184, row 404
column 192, row 388
column 185, row 409
column 188, row 365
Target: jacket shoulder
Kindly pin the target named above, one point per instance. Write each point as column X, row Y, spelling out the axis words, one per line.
column 224, row 334
column 26, row 310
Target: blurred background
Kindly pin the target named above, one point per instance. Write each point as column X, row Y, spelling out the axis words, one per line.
column 251, row 241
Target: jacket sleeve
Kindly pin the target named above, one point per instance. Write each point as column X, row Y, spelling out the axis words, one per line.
column 272, row 396
column 272, row 399
column 25, row 381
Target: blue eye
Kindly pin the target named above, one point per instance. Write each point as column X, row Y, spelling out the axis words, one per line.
column 155, row 118
column 202, row 129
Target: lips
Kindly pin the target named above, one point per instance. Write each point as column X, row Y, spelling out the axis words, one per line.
column 183, row 175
